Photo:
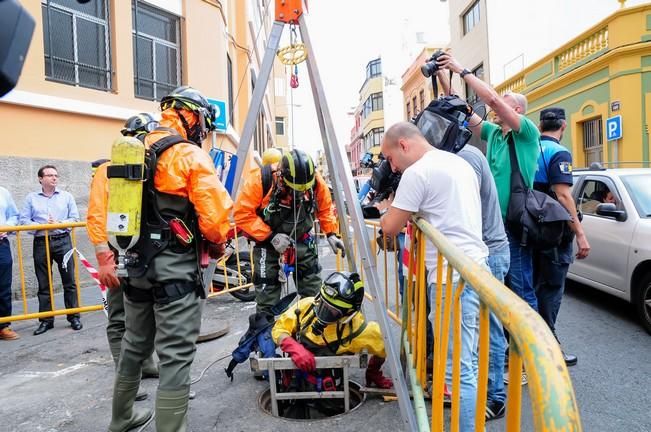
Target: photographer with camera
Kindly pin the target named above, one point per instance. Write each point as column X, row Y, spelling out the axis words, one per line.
column 509, row 125
column 443, row 189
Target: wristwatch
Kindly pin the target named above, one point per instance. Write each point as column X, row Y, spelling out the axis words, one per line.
column 464, row 72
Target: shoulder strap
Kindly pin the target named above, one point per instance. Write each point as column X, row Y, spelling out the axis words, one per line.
column 516, row 174
column 165, row 143
column 267, row 179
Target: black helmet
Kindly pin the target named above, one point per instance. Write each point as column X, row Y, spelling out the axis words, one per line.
column 341, row 295
column 139, row 125
column 186, row 97
column 297, row 168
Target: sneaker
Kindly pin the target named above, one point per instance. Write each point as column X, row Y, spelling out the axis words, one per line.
column 6, row 333
column 495, row 410
column 523, row 380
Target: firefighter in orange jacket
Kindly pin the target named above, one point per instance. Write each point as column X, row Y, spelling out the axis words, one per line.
column 136, row 126
column 283, row 218
column 163, row 287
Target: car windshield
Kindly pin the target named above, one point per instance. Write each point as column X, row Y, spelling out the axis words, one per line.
column 639, row 187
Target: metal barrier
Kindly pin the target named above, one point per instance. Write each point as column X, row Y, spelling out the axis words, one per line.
column 21, row 266
column 26, row 315
column 554, row 406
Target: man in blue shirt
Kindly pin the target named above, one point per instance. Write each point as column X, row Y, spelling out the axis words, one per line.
column 8, row 217
column 50, row 206
column 554, row 177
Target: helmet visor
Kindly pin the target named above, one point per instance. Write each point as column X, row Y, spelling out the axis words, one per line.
column 325, row 312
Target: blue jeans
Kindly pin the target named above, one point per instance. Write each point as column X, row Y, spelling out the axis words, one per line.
column 470, row 314
column 5, row 280
column 498, row 261
column 520, row 275
column 550, row 270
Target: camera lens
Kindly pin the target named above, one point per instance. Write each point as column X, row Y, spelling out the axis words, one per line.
column 428, row 68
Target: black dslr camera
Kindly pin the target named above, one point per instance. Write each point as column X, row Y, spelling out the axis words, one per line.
column 430, row 67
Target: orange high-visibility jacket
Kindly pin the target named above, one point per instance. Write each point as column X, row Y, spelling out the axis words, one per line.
column 184, row 170
column 250, row 200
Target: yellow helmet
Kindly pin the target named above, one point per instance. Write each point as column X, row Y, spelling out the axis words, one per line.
column 271, row 156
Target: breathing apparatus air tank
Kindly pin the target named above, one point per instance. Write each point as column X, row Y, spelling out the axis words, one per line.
column 126, row 180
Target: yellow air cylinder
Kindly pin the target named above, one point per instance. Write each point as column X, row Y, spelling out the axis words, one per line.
column 126, row 175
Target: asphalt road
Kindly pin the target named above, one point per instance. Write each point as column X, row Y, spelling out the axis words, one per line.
column 61, row 381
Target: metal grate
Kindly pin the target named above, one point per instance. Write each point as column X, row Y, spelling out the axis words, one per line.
column 76, row 42
column 156, row 51
column 593, row 141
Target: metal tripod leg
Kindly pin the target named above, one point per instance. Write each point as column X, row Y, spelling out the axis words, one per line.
column 338, row 167
column 256, row 103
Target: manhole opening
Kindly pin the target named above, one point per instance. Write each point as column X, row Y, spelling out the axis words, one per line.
column 313, row 409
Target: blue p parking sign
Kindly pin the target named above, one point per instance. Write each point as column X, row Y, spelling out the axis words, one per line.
column 614, row 128
column 221, row 122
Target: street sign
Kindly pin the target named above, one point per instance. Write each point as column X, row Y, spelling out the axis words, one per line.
column 614, row 106
column 614, row 128
column 221, row 120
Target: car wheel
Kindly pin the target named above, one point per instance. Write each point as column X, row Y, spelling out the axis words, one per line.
column 643, row 302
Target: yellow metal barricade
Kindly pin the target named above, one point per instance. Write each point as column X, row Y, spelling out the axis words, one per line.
column 532, row 344
column 20, row 233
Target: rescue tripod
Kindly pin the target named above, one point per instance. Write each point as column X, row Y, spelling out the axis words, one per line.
column 291, row 12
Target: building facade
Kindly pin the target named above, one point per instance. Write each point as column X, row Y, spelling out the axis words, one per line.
column 370, row 112
column 603, row 73
column 91, row 66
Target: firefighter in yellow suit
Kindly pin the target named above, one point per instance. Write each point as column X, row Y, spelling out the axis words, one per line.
column 332, row 324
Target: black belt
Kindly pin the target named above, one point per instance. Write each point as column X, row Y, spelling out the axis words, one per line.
column 52, row 237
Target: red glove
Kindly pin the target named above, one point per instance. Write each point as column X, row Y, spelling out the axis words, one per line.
column 302, row 358
column 215, row 250
column 374, row 376
column 106, row 261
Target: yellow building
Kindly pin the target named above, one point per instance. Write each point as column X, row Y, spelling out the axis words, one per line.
column 417, row 91
column 369, row 116
column 91, row 66
column 603, row 73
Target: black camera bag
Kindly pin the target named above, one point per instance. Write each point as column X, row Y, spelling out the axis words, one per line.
column 534, row 218
column 444, row 123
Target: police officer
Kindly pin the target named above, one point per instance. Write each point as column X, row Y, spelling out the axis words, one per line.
column 331, row 324
column 163, row 287
column 136, row 126
column 554, row 177
column 283, row 217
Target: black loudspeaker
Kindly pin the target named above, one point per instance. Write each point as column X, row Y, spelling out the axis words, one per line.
column 16, row 29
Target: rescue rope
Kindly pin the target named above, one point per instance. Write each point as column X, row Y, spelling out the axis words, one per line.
column 93, row 274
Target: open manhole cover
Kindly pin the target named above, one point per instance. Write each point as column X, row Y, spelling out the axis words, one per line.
column 313, row 409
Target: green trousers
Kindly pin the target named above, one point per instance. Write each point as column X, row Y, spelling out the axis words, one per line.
column 172, row 329
column 266, row 268
column 115, row 329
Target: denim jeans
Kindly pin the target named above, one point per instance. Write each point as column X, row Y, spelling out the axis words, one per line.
column 470, row 313
column 5, row 280
column 550, row 270
column 498, row 261
column 520, row 275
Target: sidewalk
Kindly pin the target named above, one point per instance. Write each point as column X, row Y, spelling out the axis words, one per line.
column 62, row 380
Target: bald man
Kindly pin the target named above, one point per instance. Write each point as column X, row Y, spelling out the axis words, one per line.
column 443, row 189
column 509, row 125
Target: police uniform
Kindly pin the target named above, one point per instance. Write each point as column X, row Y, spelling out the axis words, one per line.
column 551, row 266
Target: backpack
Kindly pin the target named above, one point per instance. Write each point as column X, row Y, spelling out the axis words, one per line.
column 534, row 218
column 444, row 123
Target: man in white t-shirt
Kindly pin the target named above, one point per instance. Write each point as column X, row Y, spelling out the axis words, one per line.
column 443, row 189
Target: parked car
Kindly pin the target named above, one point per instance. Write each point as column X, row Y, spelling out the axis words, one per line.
column 616, row 207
